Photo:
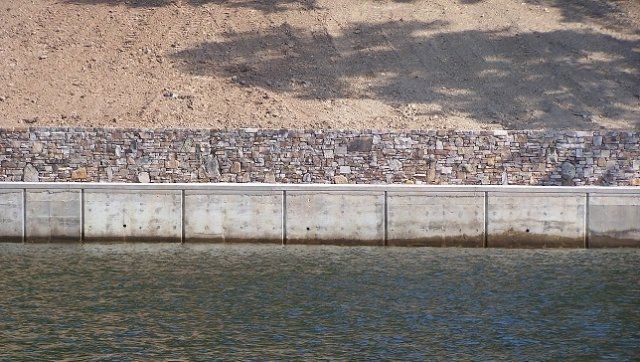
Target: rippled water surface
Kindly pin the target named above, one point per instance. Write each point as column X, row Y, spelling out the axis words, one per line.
column 119, row 302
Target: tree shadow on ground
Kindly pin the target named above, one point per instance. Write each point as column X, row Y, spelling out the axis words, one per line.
column 557, row 79
column 131, row 3
column 262, row 5
column 580, row 10
column 267, row 6
column 572, row 10
column 606, row 12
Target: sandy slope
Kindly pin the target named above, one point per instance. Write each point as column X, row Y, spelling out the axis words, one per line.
column 466, row 64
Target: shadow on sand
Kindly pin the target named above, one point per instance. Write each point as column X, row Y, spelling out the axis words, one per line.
column 571, row 10
column 262, row 5
column 557, row 79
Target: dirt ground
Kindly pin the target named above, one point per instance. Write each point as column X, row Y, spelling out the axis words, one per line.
column 463, row 64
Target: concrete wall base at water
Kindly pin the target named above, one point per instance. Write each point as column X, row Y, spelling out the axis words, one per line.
column 467, row 216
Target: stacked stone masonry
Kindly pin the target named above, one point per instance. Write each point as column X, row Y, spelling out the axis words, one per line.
column 321, row 156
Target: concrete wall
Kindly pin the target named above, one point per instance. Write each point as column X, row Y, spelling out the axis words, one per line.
column 470, row 216
column 132, row 215
column 436, row 218
column 335, row 217
column 614, row 220
column 233, row 216
column 11, row 215
column 53, row 215
column 536, row 220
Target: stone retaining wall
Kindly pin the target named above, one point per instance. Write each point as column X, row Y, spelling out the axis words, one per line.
column 322, row 156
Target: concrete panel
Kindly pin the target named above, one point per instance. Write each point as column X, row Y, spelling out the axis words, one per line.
column 228, row 216
column 536, row 220
column 53, row 215
column 128, row 215
column 614, row 221
column 340, row 217
column 11, row 214
column 435, row 219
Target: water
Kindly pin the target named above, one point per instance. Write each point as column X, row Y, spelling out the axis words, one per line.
column 123, row 302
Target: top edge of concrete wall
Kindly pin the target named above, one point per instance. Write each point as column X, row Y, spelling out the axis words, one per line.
column 499, row 132
column 319, row 187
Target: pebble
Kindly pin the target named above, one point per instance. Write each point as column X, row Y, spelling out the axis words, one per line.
column 170, row 94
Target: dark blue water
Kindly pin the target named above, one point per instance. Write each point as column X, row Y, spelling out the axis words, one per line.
column 127, row 302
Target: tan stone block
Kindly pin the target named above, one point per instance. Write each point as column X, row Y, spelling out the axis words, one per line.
column 522, row 138
column 340, row 180
column 431, row 174
column 37, row 147
column 270, row 178
column 79, row 174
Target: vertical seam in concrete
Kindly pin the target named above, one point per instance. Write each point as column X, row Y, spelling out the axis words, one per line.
column 182, row 216
column 82, row 215
column 284, row 218
column 485, row 242
column 24, row 215
column 586, row 220
column 386, row 219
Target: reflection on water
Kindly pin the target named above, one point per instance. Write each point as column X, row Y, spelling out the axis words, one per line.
column 267, row 302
